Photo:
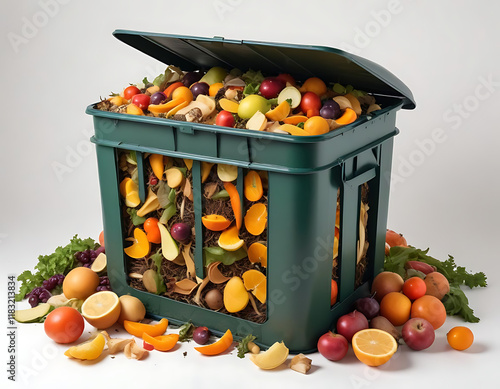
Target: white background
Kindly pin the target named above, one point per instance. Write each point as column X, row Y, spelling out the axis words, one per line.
column 445, row 198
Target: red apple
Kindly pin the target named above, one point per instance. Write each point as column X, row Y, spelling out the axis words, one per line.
column 141, row 100
column 333, row 346
column 351, row 323
column 224, row 119
column 271, row 87
column 418, row 333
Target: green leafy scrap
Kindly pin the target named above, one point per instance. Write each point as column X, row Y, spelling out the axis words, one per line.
column 136, row 220
column 186, row 332
column 59, row 262
column 243, row 345
column 218, row 254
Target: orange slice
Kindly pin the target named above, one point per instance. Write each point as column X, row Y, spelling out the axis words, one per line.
column 218, row 347
column 374, row 347
column 257, row 253
column 215, row 222
column 88, row 350
column 229, row 239
column 256, row 219
column 347, row 117
column 162, row 342
column 102, row 309
column 255, row 282
column 141, row 246
column 229, row 105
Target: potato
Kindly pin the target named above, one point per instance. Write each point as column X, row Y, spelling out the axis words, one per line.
column 437, row 285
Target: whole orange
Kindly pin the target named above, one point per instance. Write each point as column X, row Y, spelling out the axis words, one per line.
column 431, row 309
column 395, row 307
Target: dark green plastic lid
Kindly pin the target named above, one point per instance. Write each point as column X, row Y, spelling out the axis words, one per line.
column 301, row 61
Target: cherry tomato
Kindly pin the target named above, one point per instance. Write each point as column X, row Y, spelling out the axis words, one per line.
column 64, row 325
column 225, row 119
column 310, row 104
column 460, row 338
column 152, row 230
column 414, row 288
column 130, row 92
column 141, row 100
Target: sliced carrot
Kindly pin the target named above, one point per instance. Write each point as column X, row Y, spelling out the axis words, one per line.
column 256, row 219
column 234, row 197
column 218, row 347
column 215, row 222
column 172, row 87
column 295, row 119
column 253, row 186
column 347, row 117
column 280, row 112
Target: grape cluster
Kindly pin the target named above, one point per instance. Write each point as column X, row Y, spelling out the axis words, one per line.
column 87, row 257
column 103, row 284
column 42, row 293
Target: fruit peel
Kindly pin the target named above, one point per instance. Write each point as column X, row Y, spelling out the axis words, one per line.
column 275, row 356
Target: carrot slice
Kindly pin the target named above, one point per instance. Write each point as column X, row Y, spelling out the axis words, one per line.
column 139, row 329
column 253, row 186
column 234, row 197
column 218, row 347
column 162, row 342
column 163, row 108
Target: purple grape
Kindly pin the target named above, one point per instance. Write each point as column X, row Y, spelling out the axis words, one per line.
column 368, row 306
column 35, row 292
column 100, row 250
column 330, row 110
column 33, row 300
column 49, row 284
column 201, row 335
column 191, row 77
column 158, row 98
column 83, row 257
column 59, row 278
column 199, row 88
column 101, row 288
column 104, row 280
column 44, row 295
column 87, row 265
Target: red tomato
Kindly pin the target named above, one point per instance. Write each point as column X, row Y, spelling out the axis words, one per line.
column 310, row 103
column 225, row 119
column 64, row 325
column 130, row 92
column 414, row 288
column 141, row 100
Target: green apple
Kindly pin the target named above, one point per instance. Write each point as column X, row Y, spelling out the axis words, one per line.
column 32, row 315
column 251, row 104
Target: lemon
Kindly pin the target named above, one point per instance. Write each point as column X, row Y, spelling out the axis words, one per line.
column 102, row 309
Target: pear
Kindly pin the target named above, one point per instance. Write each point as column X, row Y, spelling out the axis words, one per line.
column 169, row 247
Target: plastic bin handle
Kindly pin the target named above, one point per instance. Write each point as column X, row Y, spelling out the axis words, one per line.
column 360, row 178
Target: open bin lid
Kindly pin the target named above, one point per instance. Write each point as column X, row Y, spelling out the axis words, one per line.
column 301, row 61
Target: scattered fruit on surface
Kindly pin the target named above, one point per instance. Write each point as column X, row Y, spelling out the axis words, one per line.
column 138, row 329
column 201, row 335
column 418, row 333
column 437, row 285
column 386, row 282
column 218, row 347
column 333, row 346
column 275, row 356
column 64, row 325
column 382, row 323
column 161, row 342
column 88, row 350
column 34, row 314
column 102, row 309
column 350, row 323
column 460, row 338
column 374, row 347
column 368, row 306
column 429, row 308
column 396, row 307
column 132, row 309
column 300, row 363
column 414, row 288
column 80, row 283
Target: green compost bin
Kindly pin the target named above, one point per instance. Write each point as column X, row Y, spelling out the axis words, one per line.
column 314, row 184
